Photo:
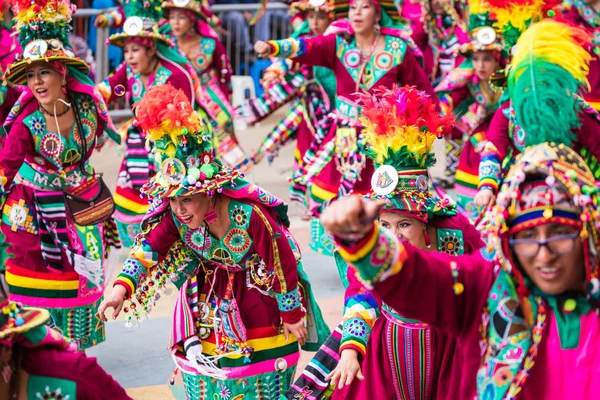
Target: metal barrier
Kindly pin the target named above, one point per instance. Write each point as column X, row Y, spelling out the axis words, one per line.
column 236, row 35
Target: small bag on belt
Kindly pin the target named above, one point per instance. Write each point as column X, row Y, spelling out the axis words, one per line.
column 94, row 210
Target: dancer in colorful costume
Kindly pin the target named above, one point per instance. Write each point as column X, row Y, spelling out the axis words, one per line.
column 150, row 60
column 393, row 357
column 38, row 363
column 59, row 242
column 9, row 45
column 313, row 94
column 368, row 49
column 446, row 31
column 467, row 91
column 548, row 71
column 244, row 302
column 517, row 316
column 189, row 25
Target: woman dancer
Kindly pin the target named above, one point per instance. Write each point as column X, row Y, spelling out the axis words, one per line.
column 517, row 316
column 243, row 298
column 372, row 332
column 468, row 92
column 59, row 247
column 150, row 61
column 369, row 48
column 190, row 28
column 314, row 93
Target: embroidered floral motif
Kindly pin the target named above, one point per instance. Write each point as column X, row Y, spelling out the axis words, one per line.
column 289, row 301
column 37, row 124
column 356, row 327
column 239, row 216
column 197, row 239
column 237, row 240
column 52, row 395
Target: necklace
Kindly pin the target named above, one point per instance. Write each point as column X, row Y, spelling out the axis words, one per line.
column 44, row 111
column 365, row 60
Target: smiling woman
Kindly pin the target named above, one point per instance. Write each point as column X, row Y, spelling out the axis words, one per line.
column 150, row 61
column 58, row 264
column 225, row 244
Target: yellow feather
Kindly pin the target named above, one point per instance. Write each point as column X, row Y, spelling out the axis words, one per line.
column 518, row 16
column 554, row 42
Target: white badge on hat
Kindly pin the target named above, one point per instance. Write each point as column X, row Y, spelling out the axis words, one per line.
column 35, row 50
column 181, row 3
column 384, row 180
column 133, row 26
column 486, row 35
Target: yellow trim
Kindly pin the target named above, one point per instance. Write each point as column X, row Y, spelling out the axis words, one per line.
column 34, row 283
column 126, row 281
column 320, row 192
column 595, row 105
column 363, row 251
column 466, row 177
column 347, row 343
column 269, row 343
column 130, row 205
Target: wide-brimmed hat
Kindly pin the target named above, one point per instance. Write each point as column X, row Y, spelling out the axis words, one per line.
column 181, row 146
column 303, row 6
column 141, row 21
column 400, row 126
column 200, row 8
column 43, row 28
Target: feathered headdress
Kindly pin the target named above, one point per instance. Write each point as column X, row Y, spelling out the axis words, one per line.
column 44, row 27
column 400, row 126
column 180, row 146
column 513, row 17
column 549, row 68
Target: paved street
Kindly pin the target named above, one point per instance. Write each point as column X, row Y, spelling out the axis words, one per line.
column 138, row 357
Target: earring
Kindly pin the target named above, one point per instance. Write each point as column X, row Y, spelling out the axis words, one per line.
column 211, row 216
column 427, row 240
column 64, row 89
column 377, row 27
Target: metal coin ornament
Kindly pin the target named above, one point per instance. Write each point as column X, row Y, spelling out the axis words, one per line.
column 181, row 3
column 317, row 3
column 35, row 50
column 384, row 180
column 173, row 171
column 133, row 26
column 192, row 162
column 119, row 90
column 486, row 35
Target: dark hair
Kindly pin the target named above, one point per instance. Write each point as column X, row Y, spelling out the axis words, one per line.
column 15, row 363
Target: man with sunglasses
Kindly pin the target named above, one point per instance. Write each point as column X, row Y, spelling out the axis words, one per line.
column 522, row 312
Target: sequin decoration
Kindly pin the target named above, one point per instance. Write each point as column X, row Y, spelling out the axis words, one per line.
column 451, row 245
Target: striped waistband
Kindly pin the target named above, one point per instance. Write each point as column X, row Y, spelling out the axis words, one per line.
column 34, row 176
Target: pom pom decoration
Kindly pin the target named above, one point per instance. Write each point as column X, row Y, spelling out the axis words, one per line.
column 400, row 125
column 549, row 68
column 43, row 19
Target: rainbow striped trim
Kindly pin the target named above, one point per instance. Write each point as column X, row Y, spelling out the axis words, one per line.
column 535, row 216
column 361, row 249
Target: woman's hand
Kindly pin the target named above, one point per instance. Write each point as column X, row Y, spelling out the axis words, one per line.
column 351, row 218
column 116, row 299
column 262, row 49
column 484, row 198
column 298, row 329
column 347, row 369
